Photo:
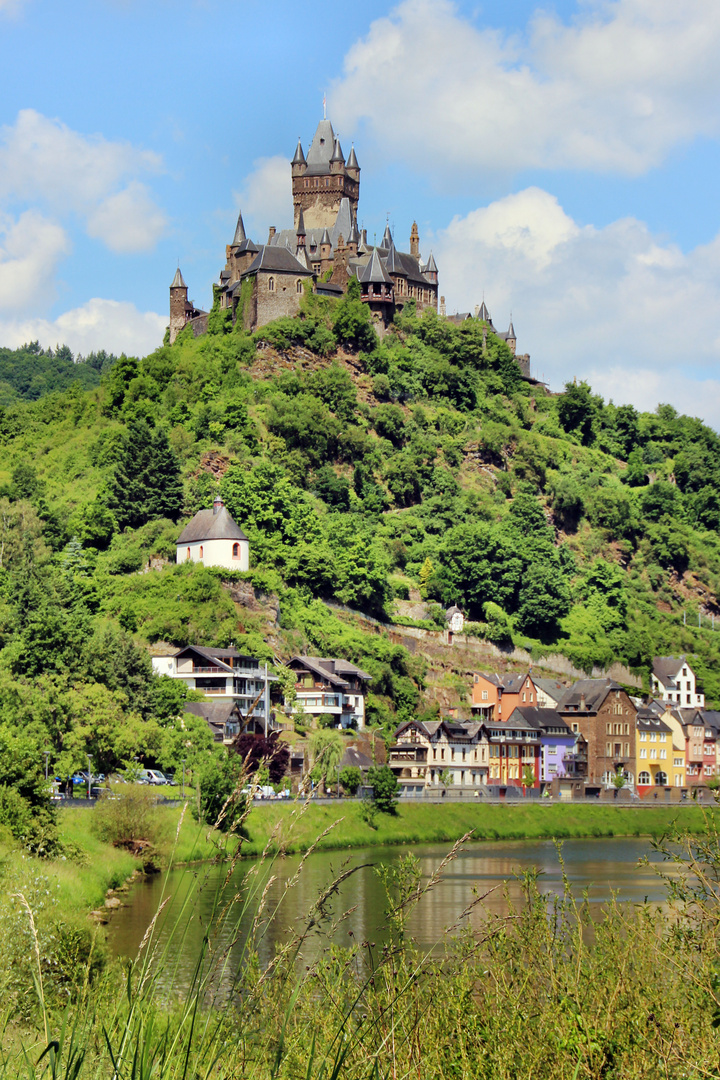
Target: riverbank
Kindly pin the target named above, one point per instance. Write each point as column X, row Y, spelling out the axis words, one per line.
column 294, row 827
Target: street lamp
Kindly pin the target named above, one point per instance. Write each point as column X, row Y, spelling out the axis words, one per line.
column 89, row 774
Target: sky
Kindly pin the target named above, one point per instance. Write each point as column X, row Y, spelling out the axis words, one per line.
column 560, row 161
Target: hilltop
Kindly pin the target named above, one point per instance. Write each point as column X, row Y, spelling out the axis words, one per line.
column 366, row 474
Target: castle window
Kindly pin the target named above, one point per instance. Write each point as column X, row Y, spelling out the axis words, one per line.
column 271, row 284
column 299, row 285
column 236, row 551
column 327, row 181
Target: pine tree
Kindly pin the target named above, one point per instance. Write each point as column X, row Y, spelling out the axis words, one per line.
column 147, row 482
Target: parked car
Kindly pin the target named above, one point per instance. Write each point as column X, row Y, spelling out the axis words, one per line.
column 151, row 776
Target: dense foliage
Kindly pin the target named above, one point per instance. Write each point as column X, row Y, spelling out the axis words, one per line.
column 361, row 470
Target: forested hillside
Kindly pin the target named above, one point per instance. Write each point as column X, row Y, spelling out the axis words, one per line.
column 361, row 471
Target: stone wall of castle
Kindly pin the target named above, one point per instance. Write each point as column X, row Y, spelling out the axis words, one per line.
column 319, row 203
column 282, row 300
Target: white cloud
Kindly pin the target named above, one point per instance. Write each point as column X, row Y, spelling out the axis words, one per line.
column 266, row 197
column 30, row 248
column 43, row 160
column 128, row 221
column 614, row 91
column 619, row 306
column 98, row 324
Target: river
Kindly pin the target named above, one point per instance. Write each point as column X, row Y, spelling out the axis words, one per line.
column 600, row 868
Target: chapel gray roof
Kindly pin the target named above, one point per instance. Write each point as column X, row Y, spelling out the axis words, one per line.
column 320, row 149
column 454, row 610
column 177, row 281
column 665, row 668
column 511, row 330
column 277, row 258
column 208, row 525
column 337, row 151
column 594, row 691
column 430, row 266
column 374, row 271
column 239, row 232
column 352, row 161
column 298, row 157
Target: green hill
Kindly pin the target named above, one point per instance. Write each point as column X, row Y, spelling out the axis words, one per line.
column 364, row 473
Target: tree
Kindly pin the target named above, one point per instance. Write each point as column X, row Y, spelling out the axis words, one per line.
column 327, row 747
column 386, row 788
column 352, row 320
column 350, row 778
column 256, row 751
column 146, row 483
column 578, row 410
column 528, row 777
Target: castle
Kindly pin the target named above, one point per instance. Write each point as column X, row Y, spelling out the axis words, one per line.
column 322, row 251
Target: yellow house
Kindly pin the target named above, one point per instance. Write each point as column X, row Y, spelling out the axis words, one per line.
column 659, row 763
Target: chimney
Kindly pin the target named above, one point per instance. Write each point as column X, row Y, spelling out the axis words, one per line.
column 271, row 234
column 442, row 306
column 217, row 504
column 477, row 310
column 583, row 703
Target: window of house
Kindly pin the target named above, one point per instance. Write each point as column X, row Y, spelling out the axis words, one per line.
column 608, row 749
column 271, row 284
column 643, row 778
column 236, row 551
column 201, row 551
column 627, row 749
column 484, row 695
column 653, row 736
column 688, row 698
column 576, row 729
column 477, row 678
column 663, row 755
column 684, row 673
column 627, row 729
column 608, row 729
column 188, row 554
column 298, row 286
column 643, row 753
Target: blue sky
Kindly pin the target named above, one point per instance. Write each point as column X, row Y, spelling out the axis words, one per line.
column 559, row 159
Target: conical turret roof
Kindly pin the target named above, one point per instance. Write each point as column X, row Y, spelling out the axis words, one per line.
column 325, row 238
column 354, row 237
column 300, row 231
column 239, row 232
column 374, row 271
column 483, row 313
column 337, row 152
column 177, row 281
column 387, row 237
column 511, row 330
column 352, row 161
column 392, row 263
column 430, row 265
column 299, row 158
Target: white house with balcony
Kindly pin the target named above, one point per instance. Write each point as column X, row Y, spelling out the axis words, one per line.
column 223, row 675
column 673, row 683
column 330, row 688
column 213, row 538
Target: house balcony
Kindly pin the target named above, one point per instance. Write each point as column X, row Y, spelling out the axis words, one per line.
column 401, row 754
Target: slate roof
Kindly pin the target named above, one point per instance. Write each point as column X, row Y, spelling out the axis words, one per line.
column 593, row 690
column 215, row 712
column 374, row 271
column 353, row 756
column 208, row 525
column 552, row 687
column 280, row 259
column 320, row 149
column 331, row 670
column 666, row 668
column 337, row 151
column 511, row 330
column 649, row 721
column 177, row 281
column 544, row 720
column 352, row 161
column 430, row 266
column 239, row 232
column 298, row 157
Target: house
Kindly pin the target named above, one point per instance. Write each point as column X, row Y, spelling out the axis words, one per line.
column 221, row 674
column 603, row 713
column 455, row 622
column 655, row 762
column 558, row 743
column 213, row 538
column 549, row 692
column 513, row 751
column 458, row 753
column 409, row 756
column 222, row 717
column 330, row 687
column 673, row 682
column 495, row 696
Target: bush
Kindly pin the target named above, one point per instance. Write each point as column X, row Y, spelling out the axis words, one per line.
column 385, row 787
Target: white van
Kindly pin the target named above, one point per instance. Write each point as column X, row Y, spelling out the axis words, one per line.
column 151, row 776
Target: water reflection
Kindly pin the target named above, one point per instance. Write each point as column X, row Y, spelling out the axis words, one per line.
column 599, row 868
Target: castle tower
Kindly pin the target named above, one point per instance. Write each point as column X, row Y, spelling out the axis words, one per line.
column 325, row 251
column 430, row 269
column 510, row 338
column 415, row 241
column 178, row 305
column 322, row 180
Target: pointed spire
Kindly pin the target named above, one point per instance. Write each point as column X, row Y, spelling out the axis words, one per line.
column 387, row 237
column 299, row 158
column 354, row 236
column 392, row 263
column 239, row 232
column 325, row 238
column 430, row 266
column 352, row 161
column 374, row 271
column 511, row 329
column 484, row 314
column 177, row 281
column 337, row 152
column 300, row 231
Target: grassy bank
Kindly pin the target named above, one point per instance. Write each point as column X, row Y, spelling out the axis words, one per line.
column 296, row 827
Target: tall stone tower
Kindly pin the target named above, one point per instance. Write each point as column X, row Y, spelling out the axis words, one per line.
column 178, row 305
column 322, row 180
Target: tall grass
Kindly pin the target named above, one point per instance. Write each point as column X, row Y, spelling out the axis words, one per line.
column 540, row 992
